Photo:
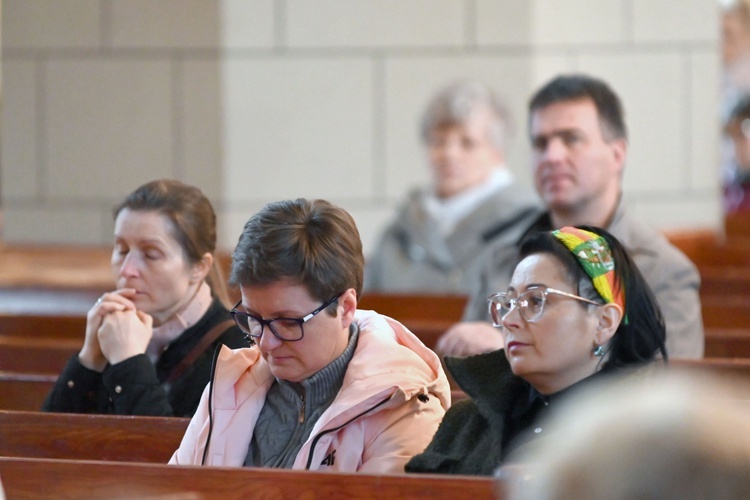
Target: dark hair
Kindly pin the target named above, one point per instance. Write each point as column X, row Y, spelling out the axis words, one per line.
column 312, row 242
column 639, row 339
column 566, row 88
column 193, row 222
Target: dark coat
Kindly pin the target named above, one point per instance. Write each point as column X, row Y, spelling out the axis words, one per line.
column 138, row 387
column 469, row 439
column 478, row 434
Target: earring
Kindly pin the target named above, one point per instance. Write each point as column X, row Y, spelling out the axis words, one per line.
column 599, row 351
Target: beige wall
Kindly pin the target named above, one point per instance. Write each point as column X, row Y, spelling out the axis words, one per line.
column 267, row 99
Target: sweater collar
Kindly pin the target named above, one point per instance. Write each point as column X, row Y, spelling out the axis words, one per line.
column 321, row 388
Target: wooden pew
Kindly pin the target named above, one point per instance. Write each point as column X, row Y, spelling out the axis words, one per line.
column 24, row 391
column 737, row 226
column 415, row 306
column 36, row 355
column 694, row 242
column 67, row 326
column 727, row 343
column 722, row 281
column 44, row 478
column 731, row 311
column 90, row 437
column 428, row 316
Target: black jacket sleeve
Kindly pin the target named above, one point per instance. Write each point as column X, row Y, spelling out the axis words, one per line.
column 76, row 389
column 132, row 388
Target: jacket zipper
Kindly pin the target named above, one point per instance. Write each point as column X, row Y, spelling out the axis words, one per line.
column 320, row 435
column 301, row 418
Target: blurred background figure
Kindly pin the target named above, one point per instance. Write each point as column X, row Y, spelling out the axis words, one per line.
column 685, row 438
column 735, row 104
column 737, row 173
column 473, row 208
column 735, row 50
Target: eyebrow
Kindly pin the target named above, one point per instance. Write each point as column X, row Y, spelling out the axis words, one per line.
column 145, row 241
column 558, row 132
column 277, row 315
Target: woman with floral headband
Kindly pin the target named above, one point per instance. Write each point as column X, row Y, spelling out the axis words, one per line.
column 577, row 309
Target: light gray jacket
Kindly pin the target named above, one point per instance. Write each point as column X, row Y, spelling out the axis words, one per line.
column 413, row 257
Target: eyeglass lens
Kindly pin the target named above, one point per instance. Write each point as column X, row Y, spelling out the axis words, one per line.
column 285, row 329
column 530, row 304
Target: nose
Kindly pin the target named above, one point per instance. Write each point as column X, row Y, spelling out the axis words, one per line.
column 512, row 319
column 554, row 151
column 268, row 341
column 129, row 266
column 446, row 151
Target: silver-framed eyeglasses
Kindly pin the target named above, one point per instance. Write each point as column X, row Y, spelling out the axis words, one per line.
column 288, row 329
column 530, row 303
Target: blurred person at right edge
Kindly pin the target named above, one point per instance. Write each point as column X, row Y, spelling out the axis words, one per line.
column 686, row 437
column 579, row 147
column 736, row 176
column 735, row 106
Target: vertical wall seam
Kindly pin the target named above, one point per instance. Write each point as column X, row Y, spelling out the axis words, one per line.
column 42, row 147
column 379, row 117
column 279, row 24
column 176, row 72
column 471, row 35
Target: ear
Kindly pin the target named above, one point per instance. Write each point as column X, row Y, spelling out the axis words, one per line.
column 609, row 319
column 619, row 152
column 201, row 268
column 348, row 302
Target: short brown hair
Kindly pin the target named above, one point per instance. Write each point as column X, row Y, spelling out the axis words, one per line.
column 311, row 242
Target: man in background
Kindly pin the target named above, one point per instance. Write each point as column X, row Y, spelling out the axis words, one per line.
column 579, row 147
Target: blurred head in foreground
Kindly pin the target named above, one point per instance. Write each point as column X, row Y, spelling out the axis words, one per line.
column 688, row 438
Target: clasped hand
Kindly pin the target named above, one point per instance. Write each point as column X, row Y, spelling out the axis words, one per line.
column 115, row 330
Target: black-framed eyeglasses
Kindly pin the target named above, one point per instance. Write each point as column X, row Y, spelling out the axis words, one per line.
column 530, row 303
column 288, row 329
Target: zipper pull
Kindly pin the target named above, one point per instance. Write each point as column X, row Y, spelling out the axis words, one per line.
column 301, row 418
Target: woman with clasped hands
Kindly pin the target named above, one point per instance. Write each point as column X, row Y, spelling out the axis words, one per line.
column 149, row 343
column 577, row 309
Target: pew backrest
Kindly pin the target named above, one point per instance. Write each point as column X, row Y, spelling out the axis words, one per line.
column 37, row 478
column 36, row 355
column 404, row 307
column 90, row 437
column 24, row 391
column 69, row 326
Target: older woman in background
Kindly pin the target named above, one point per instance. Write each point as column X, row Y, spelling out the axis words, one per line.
column 577, row 308
column 473, row 207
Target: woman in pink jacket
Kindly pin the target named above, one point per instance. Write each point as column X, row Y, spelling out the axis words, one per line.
column 326, row 387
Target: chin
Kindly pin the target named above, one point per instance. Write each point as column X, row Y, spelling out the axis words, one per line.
column 146, row 306
column 518, row 366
